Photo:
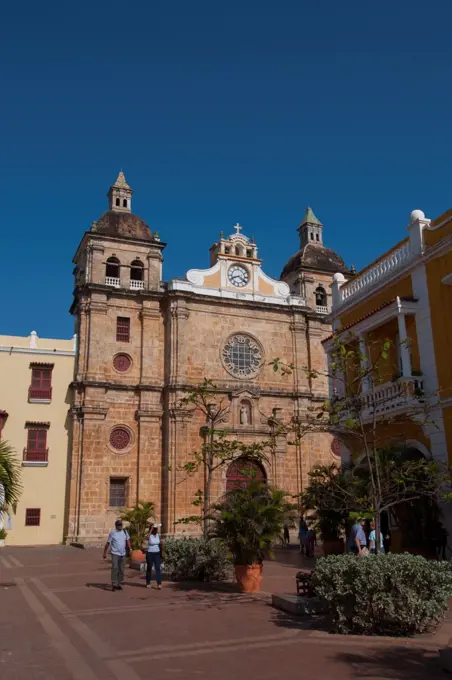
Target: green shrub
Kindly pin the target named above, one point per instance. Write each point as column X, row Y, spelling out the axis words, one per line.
column 3, row 534
column 383, row 594
column 195, row 559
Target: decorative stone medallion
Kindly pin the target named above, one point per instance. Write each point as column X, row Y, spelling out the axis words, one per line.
column 242, row 356
column 120, row 439
column 122, row 363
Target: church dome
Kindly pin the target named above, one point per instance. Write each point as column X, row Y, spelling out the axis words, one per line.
column 315, row 257
column 123, row 225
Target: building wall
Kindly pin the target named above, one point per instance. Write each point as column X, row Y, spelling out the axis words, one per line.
column 43, row 487
column 402, row 288
column 440, row 298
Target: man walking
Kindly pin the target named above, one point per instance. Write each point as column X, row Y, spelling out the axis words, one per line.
column 119, row 543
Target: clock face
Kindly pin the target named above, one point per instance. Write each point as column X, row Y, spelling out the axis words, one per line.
column 238, row 276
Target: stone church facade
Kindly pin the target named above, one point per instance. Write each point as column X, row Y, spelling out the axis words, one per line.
column 143, row 343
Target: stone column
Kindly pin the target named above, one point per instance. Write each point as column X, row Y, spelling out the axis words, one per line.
column 366, row 380
column 152, row 344
column 176, row 452
column 149, row 458
column 300, row 352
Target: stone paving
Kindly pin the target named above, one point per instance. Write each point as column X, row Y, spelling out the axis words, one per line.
column 60, row 621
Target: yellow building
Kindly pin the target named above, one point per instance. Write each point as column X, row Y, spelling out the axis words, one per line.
column 35, row 377
column 405, row 296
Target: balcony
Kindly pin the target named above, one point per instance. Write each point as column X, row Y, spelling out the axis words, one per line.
column 40, row 394
column 390, row 398
column 376, row 274
column 35, row 457
column 112, row 281
column 321, row 309
column 136, row 285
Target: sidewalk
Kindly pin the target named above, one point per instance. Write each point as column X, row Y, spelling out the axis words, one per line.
column 60, row 621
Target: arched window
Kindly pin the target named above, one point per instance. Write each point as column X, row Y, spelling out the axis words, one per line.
column 320, row 297
column 118, row 202
column 241, row 472
column 136, row 271
column 124, row 203
column 112, row 268
column 237, row 250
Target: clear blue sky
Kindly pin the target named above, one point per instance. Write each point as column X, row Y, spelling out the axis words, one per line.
column 217, row 112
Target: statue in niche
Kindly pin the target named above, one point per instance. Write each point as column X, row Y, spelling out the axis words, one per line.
column 245, row 414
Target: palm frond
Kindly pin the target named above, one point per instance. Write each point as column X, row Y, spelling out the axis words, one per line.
column 10, row 477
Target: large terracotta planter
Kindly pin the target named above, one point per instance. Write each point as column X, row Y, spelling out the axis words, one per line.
column 137, row 556
column 333, row 547
column 249, row 577
column 2, row 542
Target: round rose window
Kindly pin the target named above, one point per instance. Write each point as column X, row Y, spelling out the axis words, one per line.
column 122, row 363
column 120, row 438
column 242, row 356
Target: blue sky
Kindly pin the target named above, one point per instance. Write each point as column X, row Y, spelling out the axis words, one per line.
column 217, row 112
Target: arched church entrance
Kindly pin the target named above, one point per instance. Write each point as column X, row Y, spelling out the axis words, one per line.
column 240, row 473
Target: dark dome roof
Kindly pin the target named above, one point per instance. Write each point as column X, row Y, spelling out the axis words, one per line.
column 315, row 257
column 123, row 225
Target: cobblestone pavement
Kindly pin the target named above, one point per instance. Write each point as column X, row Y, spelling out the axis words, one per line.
column 60, row 621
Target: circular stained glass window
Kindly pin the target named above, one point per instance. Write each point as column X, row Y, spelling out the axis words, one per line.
column 242, row 356
column 120, row 438
column 122, row 363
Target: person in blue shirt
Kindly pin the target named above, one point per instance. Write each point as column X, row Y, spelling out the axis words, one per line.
column 302, row 535
column 357, row 541
column 118, row 542
column 373, row 539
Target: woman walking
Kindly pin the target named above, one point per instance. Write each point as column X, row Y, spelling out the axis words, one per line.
column 154, row 555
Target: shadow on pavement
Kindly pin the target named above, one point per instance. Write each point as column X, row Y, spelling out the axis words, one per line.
column 394, row 664
column 100, row 586
column 284, row 620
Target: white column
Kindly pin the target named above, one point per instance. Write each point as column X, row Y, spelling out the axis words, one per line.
column 366, row 380
column 404, row 349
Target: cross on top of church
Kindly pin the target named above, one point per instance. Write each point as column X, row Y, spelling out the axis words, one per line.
column 237, row 228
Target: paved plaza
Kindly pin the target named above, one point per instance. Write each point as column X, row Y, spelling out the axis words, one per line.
column 60, row 621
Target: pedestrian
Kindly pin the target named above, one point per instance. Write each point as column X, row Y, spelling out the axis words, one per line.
column 302, row 534
column 286, row 534
column 119, row 543
column 154, row 556
column 357, row 541
column 373, row 539
column 311, row 541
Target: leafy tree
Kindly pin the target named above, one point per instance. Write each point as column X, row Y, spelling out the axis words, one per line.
column 217, row 450
column 380, row 476
column 10, row 478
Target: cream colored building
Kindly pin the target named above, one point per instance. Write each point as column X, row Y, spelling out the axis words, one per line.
column 35, row 378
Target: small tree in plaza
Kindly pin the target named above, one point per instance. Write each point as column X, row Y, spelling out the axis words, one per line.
column 380, row 475
column 10, row 478
column 217, row 450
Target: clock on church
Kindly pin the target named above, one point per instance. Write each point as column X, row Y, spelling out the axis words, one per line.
column 238, row 276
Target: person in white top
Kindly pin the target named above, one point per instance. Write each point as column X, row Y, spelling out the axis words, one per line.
column 154, row 556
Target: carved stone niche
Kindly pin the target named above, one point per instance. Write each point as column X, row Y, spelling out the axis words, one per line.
column 244, row 410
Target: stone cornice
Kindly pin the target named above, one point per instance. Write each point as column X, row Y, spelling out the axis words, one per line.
column 107, row 385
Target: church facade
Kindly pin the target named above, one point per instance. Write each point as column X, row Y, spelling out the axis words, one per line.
column 142, row 343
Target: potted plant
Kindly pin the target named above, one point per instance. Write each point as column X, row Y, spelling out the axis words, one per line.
column 248, row 520
column 138, row 518
column 3, row 535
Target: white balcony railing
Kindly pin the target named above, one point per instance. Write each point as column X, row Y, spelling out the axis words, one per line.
column 372, row 276
column 321, row 309
column 136, row 285
column 398, row 395
column 112, row 281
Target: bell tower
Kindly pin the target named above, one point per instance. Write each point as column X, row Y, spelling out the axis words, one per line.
column 120, row 195
column 310, row 230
